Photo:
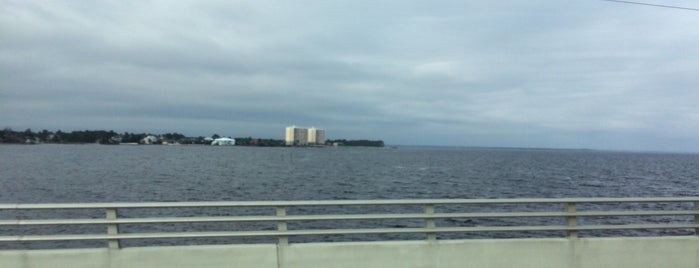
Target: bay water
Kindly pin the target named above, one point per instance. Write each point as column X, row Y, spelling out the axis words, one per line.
column 51, row 173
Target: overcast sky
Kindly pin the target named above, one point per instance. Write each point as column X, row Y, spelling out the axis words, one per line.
column 556, row 74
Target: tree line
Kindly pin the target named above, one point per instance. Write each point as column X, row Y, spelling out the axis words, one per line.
column 368, row 143
column 28, row 136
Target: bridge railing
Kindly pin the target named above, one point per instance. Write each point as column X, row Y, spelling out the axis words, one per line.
column 681, row 214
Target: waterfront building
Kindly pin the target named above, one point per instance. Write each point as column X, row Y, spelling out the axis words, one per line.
column 296, row 136
column 150, row 139
column 223, row 141
column 316, row 136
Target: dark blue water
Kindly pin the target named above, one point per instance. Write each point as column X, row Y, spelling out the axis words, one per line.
column 94, row 173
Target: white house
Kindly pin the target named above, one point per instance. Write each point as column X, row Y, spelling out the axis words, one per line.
column 223, row 141
column 149, row 140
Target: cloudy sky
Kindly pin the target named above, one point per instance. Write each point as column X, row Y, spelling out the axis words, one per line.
column 517, row 73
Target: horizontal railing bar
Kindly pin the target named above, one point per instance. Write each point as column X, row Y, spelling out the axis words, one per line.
column 342, row 232
column 632, row 213
column 344, row 217
column 490, row 229
column 346, row 203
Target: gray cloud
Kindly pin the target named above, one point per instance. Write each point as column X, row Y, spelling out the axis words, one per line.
column 586, row 74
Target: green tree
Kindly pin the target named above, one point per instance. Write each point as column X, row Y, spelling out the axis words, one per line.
column 44, row 135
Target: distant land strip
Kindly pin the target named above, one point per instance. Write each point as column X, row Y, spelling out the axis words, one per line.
column 111, row 137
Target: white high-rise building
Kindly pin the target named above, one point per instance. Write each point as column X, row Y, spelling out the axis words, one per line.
column 296, row 136
column 316, row 136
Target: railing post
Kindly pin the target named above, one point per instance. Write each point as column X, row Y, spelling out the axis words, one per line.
column 571, row 220
column 112, row 229
column 696, row 217
column 281, row 226
column 429, row 222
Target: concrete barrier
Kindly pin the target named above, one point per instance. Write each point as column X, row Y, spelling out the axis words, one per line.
column 676, row 252
column 636, row 252
column 262, row 256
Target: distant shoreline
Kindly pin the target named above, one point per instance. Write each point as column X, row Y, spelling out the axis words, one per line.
column 9, row 136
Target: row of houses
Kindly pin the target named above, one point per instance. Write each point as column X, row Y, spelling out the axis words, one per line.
column 151, row 139
column 298, row 136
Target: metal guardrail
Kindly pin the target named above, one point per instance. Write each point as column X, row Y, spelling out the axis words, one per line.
column 569, row 215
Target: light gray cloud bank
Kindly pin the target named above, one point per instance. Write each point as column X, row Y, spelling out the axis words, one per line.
column 590, row 74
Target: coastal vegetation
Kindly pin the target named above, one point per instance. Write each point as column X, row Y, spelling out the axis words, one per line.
column 366, row 143
column 249, row 141
column 28, row 136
